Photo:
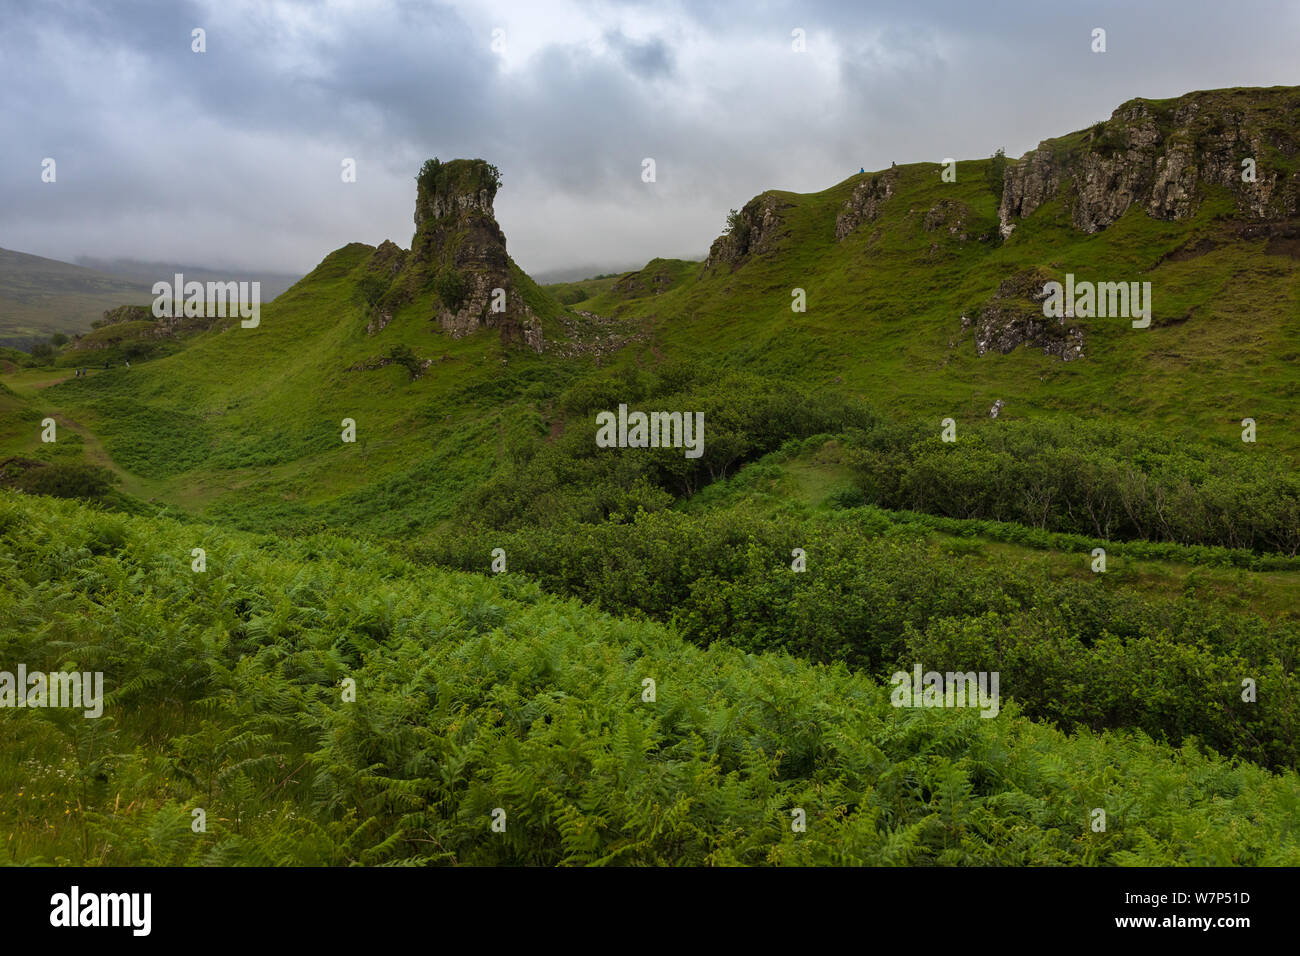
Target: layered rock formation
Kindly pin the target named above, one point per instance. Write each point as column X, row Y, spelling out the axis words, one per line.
column 460, row 247
column 458, row 251
column 1161, row 154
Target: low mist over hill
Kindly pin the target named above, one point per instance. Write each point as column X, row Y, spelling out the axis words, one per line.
column 41, row 296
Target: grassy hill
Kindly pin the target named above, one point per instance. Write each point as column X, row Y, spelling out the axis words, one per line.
column 256, row 413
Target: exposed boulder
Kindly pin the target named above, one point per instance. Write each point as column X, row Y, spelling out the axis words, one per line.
column 1014, row 317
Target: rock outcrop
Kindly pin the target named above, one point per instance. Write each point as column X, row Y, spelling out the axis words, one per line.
column 136, row 324
column 458, row 252
column 124, row 313
column 864, row 205
column 1014, row 317
column 949, row 216
column 755, row 231
column 460, row 248
column 1161, row 155
column 652, row 280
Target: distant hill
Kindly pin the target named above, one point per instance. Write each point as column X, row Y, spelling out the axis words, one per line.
column 40, row 296
column 273, row 283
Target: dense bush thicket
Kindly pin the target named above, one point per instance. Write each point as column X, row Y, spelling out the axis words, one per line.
column 224, row 693
column 1085, row 477
column 877, row 596
column 1201, row 555
column 744, row 417
column 64, row 480
column 1071, row 476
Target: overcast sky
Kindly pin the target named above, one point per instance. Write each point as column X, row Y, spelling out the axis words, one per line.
column 231, row 158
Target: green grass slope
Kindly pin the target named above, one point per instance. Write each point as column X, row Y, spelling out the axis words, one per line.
column 245, row 417
column 884, row 309
column 247, row 423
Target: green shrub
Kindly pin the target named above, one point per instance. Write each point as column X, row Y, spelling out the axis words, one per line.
column 877, row 600
column 66, row 481
column 402, row 355
column 995, row 174
column 450, row 286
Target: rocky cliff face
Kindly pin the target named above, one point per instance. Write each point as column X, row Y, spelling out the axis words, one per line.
column 1161, row 154
column 460, row 248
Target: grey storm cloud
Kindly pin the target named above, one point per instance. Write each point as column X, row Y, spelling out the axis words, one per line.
column 232, row 157
column 646, row 60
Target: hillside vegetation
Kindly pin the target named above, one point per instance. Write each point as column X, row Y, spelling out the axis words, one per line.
column 918, row 467
column 225, row 693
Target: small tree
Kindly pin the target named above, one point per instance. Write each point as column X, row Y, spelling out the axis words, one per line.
column 428, row 174
column 996, row 172
column 737, row 229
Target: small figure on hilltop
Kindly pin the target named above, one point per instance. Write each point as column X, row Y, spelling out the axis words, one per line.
column 128, row 363
column 862, row 170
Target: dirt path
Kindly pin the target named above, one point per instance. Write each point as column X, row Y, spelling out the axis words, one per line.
column 96, row 454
